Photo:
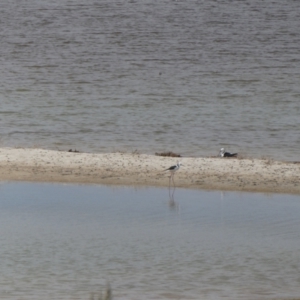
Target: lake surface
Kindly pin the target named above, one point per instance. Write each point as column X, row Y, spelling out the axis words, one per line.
column 185, row 76
column 68, row 241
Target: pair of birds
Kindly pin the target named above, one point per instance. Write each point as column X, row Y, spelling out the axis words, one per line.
column 222, row 153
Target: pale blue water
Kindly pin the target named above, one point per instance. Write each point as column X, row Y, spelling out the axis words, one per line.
column 67, row 241
column 185, row 76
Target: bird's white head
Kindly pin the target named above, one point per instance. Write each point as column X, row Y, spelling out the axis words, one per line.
column 222, row 151
column 179, row 163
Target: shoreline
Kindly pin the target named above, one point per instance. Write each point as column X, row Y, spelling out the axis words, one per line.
column 249, row 175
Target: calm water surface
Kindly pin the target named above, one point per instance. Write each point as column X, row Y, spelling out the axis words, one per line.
column 68, row 241
column 186, row 76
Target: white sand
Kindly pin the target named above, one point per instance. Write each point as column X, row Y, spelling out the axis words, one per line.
column 141, row 169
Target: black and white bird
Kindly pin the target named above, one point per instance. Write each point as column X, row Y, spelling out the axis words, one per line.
column 174, row 168
column 223, row 153
column 172, row 171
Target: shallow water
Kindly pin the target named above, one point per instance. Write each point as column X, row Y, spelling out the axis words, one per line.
column 185, row 76
column 68, row 241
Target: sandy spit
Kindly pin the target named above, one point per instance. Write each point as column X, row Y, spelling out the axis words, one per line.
column 254, row 175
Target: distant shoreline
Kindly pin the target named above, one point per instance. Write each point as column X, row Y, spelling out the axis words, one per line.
column 251, row 175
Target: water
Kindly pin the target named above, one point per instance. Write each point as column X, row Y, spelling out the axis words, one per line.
column 186, row 76
column 67, row 241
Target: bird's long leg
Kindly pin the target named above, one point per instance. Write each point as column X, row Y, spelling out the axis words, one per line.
column 173, row 180
column 170, row 186
column 173, row 192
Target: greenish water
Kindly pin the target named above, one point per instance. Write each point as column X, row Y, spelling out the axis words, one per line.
column 67, row 241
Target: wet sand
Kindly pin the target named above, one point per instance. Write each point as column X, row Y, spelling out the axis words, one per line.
column 254, row 175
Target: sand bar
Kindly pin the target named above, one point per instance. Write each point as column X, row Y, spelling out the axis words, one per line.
column 255, row 175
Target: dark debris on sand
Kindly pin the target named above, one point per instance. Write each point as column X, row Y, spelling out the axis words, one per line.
column 169, row 154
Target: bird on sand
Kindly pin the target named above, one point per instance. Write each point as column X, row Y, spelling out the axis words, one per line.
column 223, row 153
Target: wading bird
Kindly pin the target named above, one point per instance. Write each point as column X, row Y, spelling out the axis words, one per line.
column 172, row 171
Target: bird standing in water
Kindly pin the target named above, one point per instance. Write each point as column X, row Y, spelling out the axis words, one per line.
column 172, row 171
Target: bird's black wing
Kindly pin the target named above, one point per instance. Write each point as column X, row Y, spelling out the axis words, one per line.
column 171, row 168
column 228, row 154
